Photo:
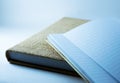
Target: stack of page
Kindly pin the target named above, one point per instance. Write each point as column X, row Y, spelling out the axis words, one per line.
column 92, row 50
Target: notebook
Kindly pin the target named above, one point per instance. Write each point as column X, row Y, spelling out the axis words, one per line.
column 36, row 52
column 92, row 49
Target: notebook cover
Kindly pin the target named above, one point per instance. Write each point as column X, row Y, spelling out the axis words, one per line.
column 36, row 52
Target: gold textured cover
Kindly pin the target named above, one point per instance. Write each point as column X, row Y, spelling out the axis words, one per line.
column 37, row 46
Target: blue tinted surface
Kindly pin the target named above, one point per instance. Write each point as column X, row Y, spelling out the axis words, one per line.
column 29, row 12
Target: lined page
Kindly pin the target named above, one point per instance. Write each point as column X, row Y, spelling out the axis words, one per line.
column 83, row 64
column 100, row 40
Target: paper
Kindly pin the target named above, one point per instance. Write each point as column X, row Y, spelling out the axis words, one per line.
column 92, row 49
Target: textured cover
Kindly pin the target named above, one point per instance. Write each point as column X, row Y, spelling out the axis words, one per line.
column 36, row 46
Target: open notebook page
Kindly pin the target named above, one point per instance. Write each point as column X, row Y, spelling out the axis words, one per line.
column 92, row 49
column 100, row 40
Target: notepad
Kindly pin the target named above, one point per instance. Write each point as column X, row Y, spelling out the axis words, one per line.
column 92, row 49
